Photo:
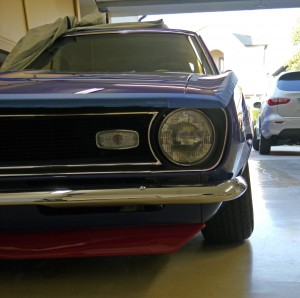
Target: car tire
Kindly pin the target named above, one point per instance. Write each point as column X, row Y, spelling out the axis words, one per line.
column 234, row 222
column 264, row 145
column 255, row 141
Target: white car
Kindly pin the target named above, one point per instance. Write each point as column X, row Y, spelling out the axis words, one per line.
column 278, row 122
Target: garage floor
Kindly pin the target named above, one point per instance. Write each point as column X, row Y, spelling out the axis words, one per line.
column 267, row 265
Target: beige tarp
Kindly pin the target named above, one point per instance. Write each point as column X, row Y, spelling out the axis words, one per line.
column 40, row 38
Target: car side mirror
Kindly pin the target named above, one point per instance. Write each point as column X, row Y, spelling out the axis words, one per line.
column 257, row 105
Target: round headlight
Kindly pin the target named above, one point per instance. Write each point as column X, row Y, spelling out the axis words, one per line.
column 186, row 137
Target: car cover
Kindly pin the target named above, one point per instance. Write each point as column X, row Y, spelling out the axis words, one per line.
column 38, row 39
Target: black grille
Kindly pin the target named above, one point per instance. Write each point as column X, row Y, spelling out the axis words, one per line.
column 69, row 140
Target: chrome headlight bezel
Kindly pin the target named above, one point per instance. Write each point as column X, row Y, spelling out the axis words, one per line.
column 192, row 147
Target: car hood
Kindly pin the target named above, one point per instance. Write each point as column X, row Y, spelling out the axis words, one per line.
column 47, row 84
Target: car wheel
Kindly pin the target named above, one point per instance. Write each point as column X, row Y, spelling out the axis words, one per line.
column 264, row 145
column 255, row 141
column 234, row 221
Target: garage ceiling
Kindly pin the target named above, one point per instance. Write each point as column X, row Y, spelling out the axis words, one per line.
column 147, row 7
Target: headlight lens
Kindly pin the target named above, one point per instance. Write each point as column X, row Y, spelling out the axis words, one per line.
column 186, row 137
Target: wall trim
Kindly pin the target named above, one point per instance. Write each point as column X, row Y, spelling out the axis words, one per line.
column 6, row 44
column 25, row 14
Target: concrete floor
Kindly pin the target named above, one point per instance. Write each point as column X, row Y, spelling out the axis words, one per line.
column 267, row 265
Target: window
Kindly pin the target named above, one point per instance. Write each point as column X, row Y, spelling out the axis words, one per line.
column 221, row 64
column 289, row 82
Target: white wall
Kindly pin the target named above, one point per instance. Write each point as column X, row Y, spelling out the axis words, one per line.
column 12, row 23
column 246, row 62
column 45, row 11
column 18, row 16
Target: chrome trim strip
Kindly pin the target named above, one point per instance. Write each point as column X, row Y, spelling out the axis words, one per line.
column 225, row 138
column 80, row 166
column 76, row 114
column 157, row 163
column 154, row 114
column 58, row 174
column 196, row 194
column 102, row 31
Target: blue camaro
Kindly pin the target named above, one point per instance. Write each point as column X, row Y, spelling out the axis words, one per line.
column 121, row 140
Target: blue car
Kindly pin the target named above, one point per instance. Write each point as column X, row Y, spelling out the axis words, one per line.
column 118, row 140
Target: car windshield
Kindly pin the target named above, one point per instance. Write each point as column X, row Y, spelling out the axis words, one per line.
column 134, row 52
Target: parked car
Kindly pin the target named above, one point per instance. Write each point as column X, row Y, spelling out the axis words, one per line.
column 120, row 139
column 278, row 121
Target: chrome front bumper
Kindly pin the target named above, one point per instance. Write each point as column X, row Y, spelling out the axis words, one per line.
column 197, row 194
